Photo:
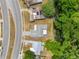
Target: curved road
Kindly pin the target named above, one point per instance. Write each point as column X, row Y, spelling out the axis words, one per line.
column 18, row 25
column 5, row 29
column 17, row 19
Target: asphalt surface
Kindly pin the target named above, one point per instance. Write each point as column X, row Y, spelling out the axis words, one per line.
column 18, row 24
column 5, row 29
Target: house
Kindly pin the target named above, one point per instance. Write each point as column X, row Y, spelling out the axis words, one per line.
column 36, row 13
column 35, row 7
column 37, row 31
column 36, row 47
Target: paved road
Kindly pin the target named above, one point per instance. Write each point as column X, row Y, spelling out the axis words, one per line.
column 5, row 29
column 18, row 24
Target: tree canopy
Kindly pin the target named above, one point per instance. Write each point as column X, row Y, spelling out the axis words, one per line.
column 29, row 55
column 66, row 43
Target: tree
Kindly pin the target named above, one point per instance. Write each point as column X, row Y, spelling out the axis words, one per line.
column 67, row 6
column 29, row 55
column 57, row 49
column 67, row 27
column 75, row 17
column 64, row 51
column 48, row 9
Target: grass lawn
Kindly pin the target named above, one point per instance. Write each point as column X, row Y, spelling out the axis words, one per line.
column 12, row 37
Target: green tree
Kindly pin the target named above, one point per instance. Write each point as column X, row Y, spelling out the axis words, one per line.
column 66, row 45
column 67, row 6
column 29, row 55
column 48, row 9
column 56, row 48
column 64, row 51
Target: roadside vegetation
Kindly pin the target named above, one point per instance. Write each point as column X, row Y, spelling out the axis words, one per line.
column 66, row 43
column 29, row 55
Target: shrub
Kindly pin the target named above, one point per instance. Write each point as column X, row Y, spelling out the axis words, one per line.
column 29, row 55
column 48, row 9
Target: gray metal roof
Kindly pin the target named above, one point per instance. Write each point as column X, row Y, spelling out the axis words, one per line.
column 37, row 46
column 38, row 32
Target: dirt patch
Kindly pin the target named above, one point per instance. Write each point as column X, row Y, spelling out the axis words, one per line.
column 26, row 20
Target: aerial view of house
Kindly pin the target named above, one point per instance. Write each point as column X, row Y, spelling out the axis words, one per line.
column 39, row 29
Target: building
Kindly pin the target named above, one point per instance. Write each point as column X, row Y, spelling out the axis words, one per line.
column 35, row 7
column 34, row 46
column 37, row 31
